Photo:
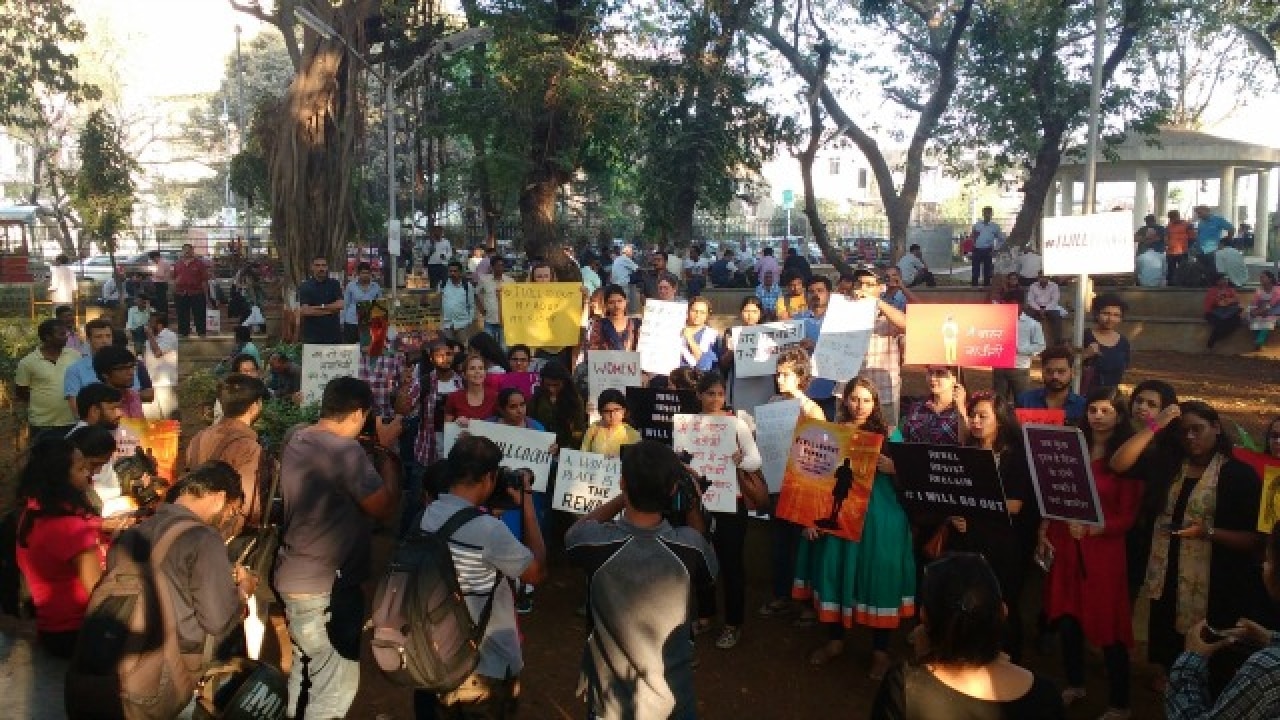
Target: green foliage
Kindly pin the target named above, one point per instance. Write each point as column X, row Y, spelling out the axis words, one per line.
column 17, row 339
column 33, row 41
column 103, row 193
column 199, row 389
column 280, row 415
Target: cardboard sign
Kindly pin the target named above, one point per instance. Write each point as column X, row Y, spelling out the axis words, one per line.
column 652, row 412
column 213, row 321
column 322, row 363
column 1041, row 416
column 541, row 314
column 775, row 427
column 752, row 392
column 585, row 481
column 521, row 447
column 946, row 480
column 660, row 335
column 610, row 369
column 1269, row 508
column 416, row 319
column 711, row 440
column 756, row 347
column 1061, row 474
column 827, row 483
column 972, row 335
column 846, row 334
column 1095, row 244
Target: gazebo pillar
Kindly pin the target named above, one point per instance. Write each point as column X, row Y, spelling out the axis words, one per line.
column 1262, row 210
column 1051, row 200
column 1227, row 193
column 1068, row 195
column 1141, row 181
column 1161, row 209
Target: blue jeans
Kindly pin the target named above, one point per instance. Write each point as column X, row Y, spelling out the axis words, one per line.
column 325, row 630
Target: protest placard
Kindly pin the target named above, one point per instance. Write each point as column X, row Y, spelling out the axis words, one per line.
column 322, row 363
column 1269, row 508
column 972, row 335
column 945, row 480
column 610, row 369
column 585, row 481
column 525, row 382
column 651, row 412
column 660, row 335
column 827, row 482
column 521, row 447
column 756, row 347
column 846, row 333
column 1095, row 244
column 711, row 440
column 416, row 319
column 1061, row 474
column 775, row 428
column 541, row 314
column 752, row 392
column 1041, row 416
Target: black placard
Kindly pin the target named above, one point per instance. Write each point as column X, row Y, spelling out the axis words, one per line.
column 650, row 411
column 948, row 480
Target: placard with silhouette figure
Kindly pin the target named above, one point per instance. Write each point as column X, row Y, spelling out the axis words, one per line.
column 827, row 483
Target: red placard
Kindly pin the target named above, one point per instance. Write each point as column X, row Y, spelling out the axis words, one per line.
column 1041, row 416
column 971, row 335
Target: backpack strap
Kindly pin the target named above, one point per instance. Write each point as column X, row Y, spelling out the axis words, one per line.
column 446, row 531
column 164, row 594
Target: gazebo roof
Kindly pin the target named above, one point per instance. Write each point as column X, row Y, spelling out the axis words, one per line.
column 1180, row 155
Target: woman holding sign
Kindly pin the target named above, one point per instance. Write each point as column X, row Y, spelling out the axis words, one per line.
column 728, row 530
column 476, row 400
column 872, row 581
column 701, row 342
column 1086, row 591
column 749, row 314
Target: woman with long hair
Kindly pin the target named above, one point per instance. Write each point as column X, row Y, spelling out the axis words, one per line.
column 938, row 418
column 59, row 548
column 960, row 671
column 699, row 340
column 1006, row 543
column 614, row 331
column 749, row 314
column 611, row 432
column 558, row 406
column 1205, row 540
column 476, row 400
column 485, row 346
column 871, row 581
column 1086, row 590
column 728, row 529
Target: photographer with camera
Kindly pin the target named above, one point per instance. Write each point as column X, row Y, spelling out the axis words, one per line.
column 488, row 558
column 641, row 572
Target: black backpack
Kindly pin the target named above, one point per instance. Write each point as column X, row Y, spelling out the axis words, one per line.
column 423, row 633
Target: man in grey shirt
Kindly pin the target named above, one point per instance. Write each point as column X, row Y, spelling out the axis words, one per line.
column 487, row 557
column 641, row 574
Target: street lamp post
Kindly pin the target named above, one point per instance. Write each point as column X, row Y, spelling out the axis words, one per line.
column 444, row 47
column 1091, row 171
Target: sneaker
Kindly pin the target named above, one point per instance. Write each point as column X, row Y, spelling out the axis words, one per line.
column 729, row 637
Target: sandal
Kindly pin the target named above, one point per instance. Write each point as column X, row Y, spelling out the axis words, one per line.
column 729, row 637
column 829, row 651
column 776, row 608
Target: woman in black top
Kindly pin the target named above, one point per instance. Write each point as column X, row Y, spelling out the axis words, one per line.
column 960, row 673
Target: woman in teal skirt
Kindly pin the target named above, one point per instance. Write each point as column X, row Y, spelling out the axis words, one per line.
column 871, row 582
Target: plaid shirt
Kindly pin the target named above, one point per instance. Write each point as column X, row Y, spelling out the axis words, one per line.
column 768, row 296
column 1254, row 692
column 383, row 374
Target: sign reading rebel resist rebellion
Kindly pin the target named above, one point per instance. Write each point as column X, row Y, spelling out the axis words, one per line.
column 944, row 480
column 1061, row 474
column 972, row 335
column 756, row 347
column 652, row 412
column 827, row 483
column 585, row 481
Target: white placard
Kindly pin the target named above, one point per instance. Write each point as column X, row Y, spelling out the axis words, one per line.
column 521, row 447
column 322, row 363
column 711, row 440
column 660, row 340
column 1095, row 244
column 610, row 369
column 775, row 428
column 756, row 347
column 846, row 335
column 585, row 481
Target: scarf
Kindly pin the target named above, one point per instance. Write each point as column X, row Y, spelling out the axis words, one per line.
column 1193, row 555
column 614, row 339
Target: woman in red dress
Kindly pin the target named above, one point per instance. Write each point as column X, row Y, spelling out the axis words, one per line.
column 476, row 400
column 1087, row 591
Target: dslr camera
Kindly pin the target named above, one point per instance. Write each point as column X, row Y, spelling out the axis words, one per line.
column 508, row 479
column 689, row 489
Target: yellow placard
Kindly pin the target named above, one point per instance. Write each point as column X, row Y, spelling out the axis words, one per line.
column 1269, row 508
column 541, row 314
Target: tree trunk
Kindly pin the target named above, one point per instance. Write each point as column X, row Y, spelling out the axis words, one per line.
column 1038, row 184
column 807, row 157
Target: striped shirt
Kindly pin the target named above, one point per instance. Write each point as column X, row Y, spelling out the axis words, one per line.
column 1254, row 692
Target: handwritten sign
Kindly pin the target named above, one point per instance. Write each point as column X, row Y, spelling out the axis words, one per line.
column 322, row 363
column 541, row 314
column 417, row 319
column 1269, row 508
column 660, row 339
column 827, row 482
column 944, row 480
column 775, row 428
column 521, row 447
column 846, row 334
column 1095, row 244
column 652, row 412
column 1061, row 474
column 606, row 369
column 1041, row 416
column 711, row 440
column 585, row 481
column 756, row 347
column 972, row 335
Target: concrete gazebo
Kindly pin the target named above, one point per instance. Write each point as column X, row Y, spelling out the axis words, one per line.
column 1182, row 155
